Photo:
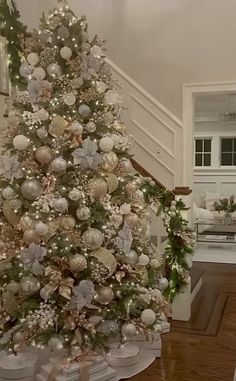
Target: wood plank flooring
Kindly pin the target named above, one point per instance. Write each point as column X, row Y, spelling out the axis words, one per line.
column 203, row 349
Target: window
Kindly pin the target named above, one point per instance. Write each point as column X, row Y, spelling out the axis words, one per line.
column 228, row 151
column 202, row 152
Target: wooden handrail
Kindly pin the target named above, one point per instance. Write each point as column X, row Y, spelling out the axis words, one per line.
column 143, row 172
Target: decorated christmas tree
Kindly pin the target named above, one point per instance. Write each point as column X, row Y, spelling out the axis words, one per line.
column 76, row 264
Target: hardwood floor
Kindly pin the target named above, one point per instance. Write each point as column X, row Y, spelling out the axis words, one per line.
column 203, row 349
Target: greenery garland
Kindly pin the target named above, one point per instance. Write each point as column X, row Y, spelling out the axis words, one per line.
column 13, row 29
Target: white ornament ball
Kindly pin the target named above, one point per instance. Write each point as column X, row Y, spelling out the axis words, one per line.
column 69, row 99
column 21, row 142
column 42, row 132
column 75, row 194
column 29, row 285
column 131, row 258
column 30, row 236
column 96, row 51
column 148, row 317
column 76, row 127
column 105, row 295
column 31, row 189
column 60, row 204
column 42, row 114
column 98, row 188
column 41, row 229
column 125, row 209
column 143, row 260
column 44, row 154
column 84, row 111
column 155, row 263
column 25, row 70
column 66, row 53
column 33, row 59
column 93, row 238
column 8, row 193
column 112, row 97
column 83, row 213
column 53, row 69
column 163, row 283
column 55, row 343
column 78, row 263
column 106, row 144
column 132, row 220
column 59, row 165
column 39, row 73
column 77, row 82
column 91, row 127
column 128, row 330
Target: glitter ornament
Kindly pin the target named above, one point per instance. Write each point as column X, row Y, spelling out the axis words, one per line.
column 60, row 204
column 42, row 114
column 59, row 165
column 29, row 286
column 143, row 260
column 75, row 194
column 33, row 59
column 69, row 99
column 31, row 189
column 110, row 161
column 131, row 258
column 106, row 144
column 25, row 70
column 104, row 295
column 76, row 127
column 163, row 283
column 93, row 238
column 8, row 193
column 41, row 229
column 78, row 263
column 39, row 73
column 63, row 32
column 55, row 343
column 53, row 70
column 58, row 126
column 97, row 188
column 44, row 155
column 91, row 127
column 132, row 220
column 30, row 236
column 148, row 317
column 66, row 53
column 42, row 133
column 21, row 142
column 84, row 111
column 13, row 287
column 128, row 330
column 83, row 213
column 77, row 82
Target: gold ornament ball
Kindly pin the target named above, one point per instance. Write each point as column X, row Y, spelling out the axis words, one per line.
column 105, row 295
column 44, row 155
column 30, row 236
column 132, row 220
column 29, row 285
column 98, row 188
column 78, row 263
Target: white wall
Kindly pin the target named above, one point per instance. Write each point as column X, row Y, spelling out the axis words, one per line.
column 162, row 43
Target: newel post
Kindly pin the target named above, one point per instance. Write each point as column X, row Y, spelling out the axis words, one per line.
column 181, row 307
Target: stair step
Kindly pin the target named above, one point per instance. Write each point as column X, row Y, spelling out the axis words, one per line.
column 195, row 274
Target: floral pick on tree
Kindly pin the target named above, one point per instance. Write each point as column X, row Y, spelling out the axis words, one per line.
column 76, row 264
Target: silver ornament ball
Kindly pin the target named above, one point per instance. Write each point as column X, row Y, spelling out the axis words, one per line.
column 21, row 142
column 60, row 204
column 44, row 154
column 8, row 193
column 66, row 53
column 33, row 59
column 31, row 189
column 59, row 165
column 105, row 295
column 131, row 258
column 91, row 127
column 84, row 111
column 83, row 213
column 53, row 69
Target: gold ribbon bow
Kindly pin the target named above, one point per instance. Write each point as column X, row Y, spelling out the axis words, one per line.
column 82, row 358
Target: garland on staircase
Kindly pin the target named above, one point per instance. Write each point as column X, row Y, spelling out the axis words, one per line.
column 180, row 237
